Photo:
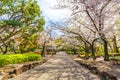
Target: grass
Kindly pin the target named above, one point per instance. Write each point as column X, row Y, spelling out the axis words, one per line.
column 18, row 58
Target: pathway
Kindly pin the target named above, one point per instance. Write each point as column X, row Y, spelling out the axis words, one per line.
column 60, row 67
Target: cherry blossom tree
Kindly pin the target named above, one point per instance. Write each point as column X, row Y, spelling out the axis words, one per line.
column 98, row 15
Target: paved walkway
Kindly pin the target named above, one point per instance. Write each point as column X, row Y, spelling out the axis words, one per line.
column 60, row 67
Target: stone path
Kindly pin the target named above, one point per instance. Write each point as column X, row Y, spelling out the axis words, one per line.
column 60, row 67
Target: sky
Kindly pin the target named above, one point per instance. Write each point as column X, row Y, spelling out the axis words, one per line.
column 51, row 14
column 48, row 11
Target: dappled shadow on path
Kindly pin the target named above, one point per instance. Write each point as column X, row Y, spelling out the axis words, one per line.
column 60, row 67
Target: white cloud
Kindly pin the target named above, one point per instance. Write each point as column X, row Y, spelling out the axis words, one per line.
column 53, row 14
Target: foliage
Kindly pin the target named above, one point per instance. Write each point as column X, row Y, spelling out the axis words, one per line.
column 86, row 25
column 18, row 58
column 70, row 50
column 13, row 23
column 99, row 54
column 29, row 42
column 18, row 18
column 117, row 58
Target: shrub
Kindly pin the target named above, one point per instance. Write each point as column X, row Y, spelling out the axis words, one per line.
column 117, row 58
column 18, row 58
column 99, row 54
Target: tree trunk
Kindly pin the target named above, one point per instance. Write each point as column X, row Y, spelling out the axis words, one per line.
column 93, row 52
column 106, row 55
column 4, row 51
column 74, row 50
column 1, row 49
column 115, row 45
column 111, row 47
column 43, row 50
column 14, row 50
column 86, row 51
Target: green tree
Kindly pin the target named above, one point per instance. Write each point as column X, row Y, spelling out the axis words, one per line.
column 19, row 16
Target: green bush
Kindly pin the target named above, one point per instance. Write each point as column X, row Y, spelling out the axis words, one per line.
column 117, row 58
column 18, row 58
column 99, row 54
column 70, row 52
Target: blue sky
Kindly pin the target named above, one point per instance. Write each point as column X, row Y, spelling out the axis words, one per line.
column 51, row 14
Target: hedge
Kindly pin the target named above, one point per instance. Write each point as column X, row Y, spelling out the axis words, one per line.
column 18, row 58
column 116, row 58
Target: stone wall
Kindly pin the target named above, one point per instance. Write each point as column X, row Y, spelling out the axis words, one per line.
column 13, row 70
column 102, row 69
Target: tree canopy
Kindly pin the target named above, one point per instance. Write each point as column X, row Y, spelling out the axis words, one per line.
column 19, row 17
